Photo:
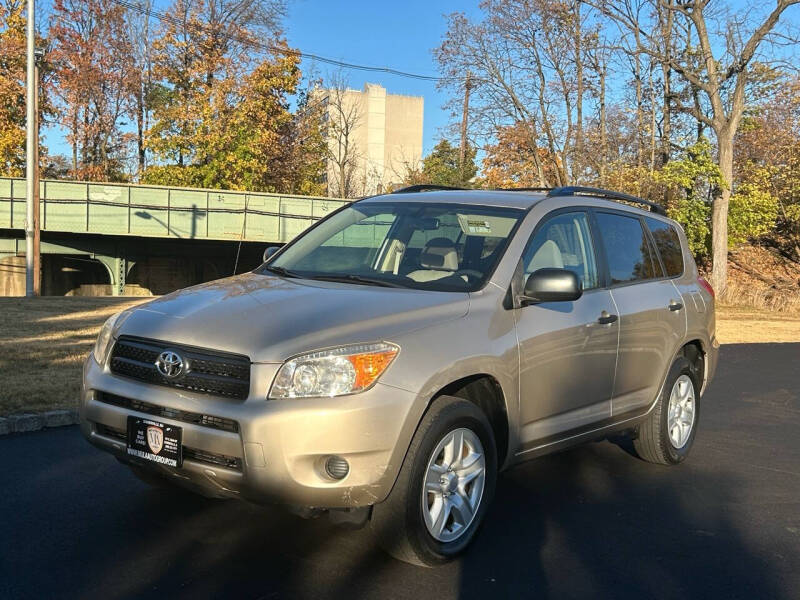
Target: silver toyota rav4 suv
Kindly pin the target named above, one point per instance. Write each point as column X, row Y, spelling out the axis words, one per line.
column 386, row 364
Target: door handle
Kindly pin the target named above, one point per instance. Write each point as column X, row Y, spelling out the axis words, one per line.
column 607, row 319
column 675, row 305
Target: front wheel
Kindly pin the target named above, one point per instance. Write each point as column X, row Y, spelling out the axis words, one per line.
column 444, row 488
column 666, row 436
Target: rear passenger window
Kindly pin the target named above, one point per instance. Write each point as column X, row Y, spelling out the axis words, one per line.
column 564, row 242
column 668, row 244
column 627, row 248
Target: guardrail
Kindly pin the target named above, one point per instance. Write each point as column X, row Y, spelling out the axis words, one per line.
column 166, row 212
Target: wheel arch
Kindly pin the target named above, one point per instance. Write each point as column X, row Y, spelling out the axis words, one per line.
column 485, row 391
column 695, row 352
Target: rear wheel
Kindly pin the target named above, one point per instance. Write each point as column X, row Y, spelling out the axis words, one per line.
column 444, row 488
column 669, row 431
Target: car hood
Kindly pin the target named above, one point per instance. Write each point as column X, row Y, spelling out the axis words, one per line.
column 270, row 318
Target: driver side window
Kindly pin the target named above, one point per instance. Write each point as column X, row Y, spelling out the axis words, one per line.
column 564, row 242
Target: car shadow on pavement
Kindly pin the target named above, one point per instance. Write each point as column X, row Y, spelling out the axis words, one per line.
column 583, row 524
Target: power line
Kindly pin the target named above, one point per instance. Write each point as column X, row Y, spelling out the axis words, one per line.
column 166, row 18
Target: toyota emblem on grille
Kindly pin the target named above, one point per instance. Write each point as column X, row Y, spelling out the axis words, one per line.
column 169, row 363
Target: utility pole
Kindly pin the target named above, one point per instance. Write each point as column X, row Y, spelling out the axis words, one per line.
column 462, row 158
column 30, row 149
column 37, row 234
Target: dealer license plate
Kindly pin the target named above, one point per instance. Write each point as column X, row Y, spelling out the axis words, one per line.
column 154, row 441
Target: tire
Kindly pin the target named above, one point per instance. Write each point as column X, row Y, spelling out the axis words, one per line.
column 656, row 441
column 399, row 523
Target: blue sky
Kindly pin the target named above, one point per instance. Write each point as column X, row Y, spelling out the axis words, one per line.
column 380, row 33
column 376, row 33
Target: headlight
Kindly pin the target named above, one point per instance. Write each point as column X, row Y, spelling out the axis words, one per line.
column 103, row 343
column 334, row 372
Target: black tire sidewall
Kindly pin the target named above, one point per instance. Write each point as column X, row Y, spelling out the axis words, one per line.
column 674, row 455
column 455, row 416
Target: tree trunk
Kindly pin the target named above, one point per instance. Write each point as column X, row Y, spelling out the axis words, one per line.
column 639, row 96
column 577, row 161
column 140, row 129
column 603, row 141
column 652, row 120
column 75, row 147
column 533, row 137
column 719, row 215
column 462, row 156
column 666, row 123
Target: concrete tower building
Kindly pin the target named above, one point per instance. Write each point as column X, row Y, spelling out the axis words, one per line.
column 374, row 139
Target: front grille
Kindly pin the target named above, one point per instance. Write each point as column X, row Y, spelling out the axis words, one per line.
column 206, row 371
column 193, row 454
column 169, row 413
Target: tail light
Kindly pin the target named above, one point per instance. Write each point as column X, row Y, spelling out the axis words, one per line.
column 707, row 286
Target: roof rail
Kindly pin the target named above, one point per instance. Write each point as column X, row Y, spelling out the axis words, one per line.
column 425, row 187
column 524, row 189
column 575, row 190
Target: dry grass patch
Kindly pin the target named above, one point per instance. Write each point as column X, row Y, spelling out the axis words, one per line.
column 43, row 342
column 761, row 278
column 738, row 325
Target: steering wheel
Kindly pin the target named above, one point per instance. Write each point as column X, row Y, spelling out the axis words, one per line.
column 469, row 273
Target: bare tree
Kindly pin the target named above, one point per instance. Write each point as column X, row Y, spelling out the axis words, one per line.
column 345, row 117
column 522, row 59
column 720, row 80
column 597, row 58
column 142, row 37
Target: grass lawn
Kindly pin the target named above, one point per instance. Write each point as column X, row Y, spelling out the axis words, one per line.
column 43, row 342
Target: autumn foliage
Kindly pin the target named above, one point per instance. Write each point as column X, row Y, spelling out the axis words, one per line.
column 198, row 95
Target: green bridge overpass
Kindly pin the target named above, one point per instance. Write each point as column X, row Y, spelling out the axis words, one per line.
column 148, row 238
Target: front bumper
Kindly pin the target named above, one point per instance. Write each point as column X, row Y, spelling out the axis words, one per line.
column 279, row 449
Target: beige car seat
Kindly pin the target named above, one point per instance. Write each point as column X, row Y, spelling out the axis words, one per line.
column 438, row 259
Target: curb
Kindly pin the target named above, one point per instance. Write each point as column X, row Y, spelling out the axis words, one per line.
column 25, row 422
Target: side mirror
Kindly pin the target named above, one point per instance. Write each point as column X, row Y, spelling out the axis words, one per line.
column 552, row 285
column 269, row 252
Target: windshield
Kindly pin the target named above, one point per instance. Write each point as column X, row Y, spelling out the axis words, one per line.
column 443, row 247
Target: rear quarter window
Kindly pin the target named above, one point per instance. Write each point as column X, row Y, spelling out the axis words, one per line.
column 627, row 248
column 668, row 244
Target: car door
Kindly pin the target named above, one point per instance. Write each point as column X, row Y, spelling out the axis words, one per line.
column 567, row 350
column 651, row 315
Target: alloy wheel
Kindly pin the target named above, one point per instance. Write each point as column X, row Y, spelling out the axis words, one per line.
column 454, row 483
column 681, row 411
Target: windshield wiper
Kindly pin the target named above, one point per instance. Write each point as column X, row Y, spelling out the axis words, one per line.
column 282, row 272
column 347, row 278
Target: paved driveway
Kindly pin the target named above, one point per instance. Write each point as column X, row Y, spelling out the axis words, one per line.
column 590, row 522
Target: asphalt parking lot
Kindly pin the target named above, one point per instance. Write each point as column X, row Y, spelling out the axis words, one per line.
column 589, row 522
